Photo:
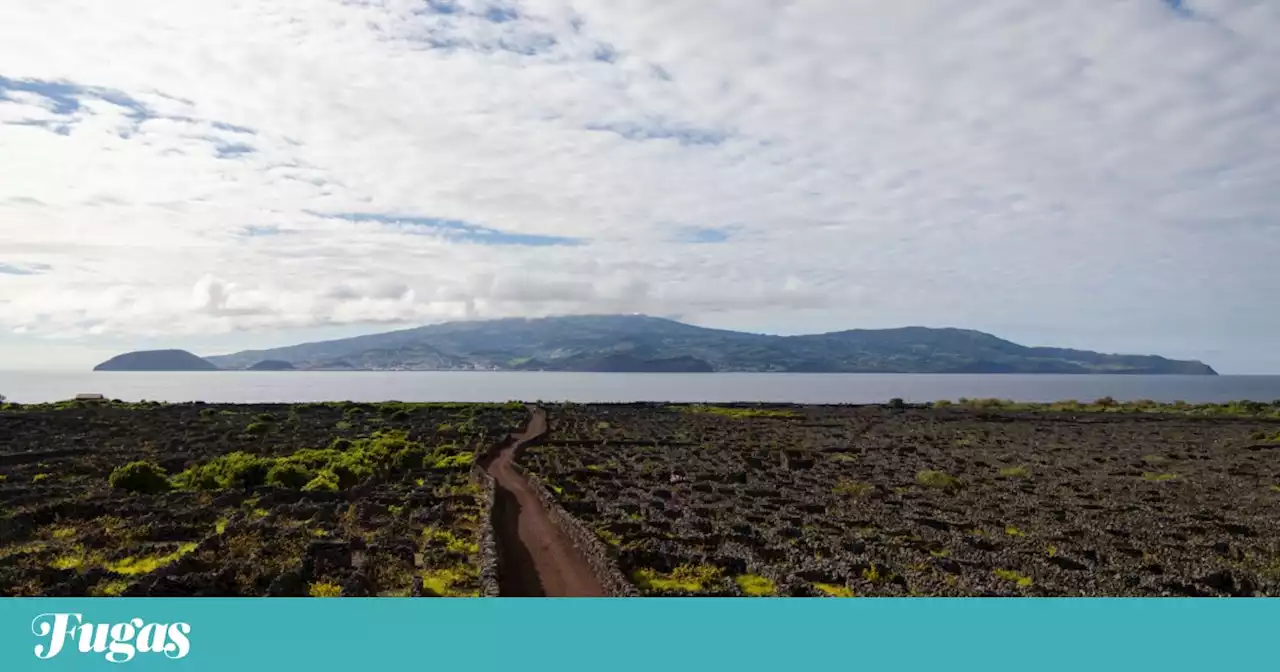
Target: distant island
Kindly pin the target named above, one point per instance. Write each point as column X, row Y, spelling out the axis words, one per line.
column 156, row 360
column 273, row 365
column 642, row 344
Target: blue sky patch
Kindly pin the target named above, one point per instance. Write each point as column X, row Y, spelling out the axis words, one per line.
column 500, row 14
column 605, row 53
column 442, row 6
column 48, row 124
column 703, row 234
column 223, row 126
column 23, row 269
column 66, row 99
column 231, row 150
column 663, row 131
column 66, row 96
column 255, row 231
column 455, row 230
column 1180, row 8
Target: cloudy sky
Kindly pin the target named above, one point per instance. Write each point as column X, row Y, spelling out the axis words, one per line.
column 1102, row 174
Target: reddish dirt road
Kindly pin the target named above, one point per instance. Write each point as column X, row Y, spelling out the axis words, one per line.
column 535, row 557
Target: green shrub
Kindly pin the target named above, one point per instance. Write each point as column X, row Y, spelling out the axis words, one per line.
column 345, row 464
column 257, row 428
column 324, row 481
column 288, row 475
column 238, row 469
column 141, row 476
column 940, row 480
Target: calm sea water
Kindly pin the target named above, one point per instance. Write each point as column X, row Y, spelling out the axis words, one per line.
column 263, row 387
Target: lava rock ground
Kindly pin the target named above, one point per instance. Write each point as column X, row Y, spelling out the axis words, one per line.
column 822, row 500
column 64, row 531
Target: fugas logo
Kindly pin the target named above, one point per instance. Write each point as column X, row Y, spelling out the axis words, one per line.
column 120, row 642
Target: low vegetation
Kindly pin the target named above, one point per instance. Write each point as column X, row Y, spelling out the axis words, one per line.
column 201, row 507
column 925, row 501
column 344, row 464
column 141, row 476
column 939, row 480
column 1110, row 405
column 685, row 578
column 756, row 586
column 735, row 412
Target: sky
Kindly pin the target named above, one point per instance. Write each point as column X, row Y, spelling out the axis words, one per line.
column 224, row 175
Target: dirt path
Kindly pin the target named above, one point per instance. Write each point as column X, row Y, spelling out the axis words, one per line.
column 535, row 557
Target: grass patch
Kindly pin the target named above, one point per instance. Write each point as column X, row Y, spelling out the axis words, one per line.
column 844, row 457
column 1014, row 532
column 324, row 589
column 74, row 560
column 1014, row 577
column 873, row 575
column 756, row 586
column 939, row 480
column 109, row 589
column 148, row 563
column 853, row 489
column 21, row 549
column 685, row 578
column 454, row 581
column 449, row 541
column 728, row 412
column 1158, row 477
column 455, row 461
column 1242, row 408
column 39, row 478
column 1015, row 472
column 833, row 590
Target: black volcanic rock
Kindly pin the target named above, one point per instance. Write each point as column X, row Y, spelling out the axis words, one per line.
column 156, row 360
column 272, row 365
column 640, row 343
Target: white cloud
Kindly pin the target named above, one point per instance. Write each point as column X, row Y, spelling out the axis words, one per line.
column 1099, row 175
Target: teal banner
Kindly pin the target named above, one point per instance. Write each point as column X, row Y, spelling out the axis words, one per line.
column 637, row 634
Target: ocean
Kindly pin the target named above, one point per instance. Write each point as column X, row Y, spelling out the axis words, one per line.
column 303, row 386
